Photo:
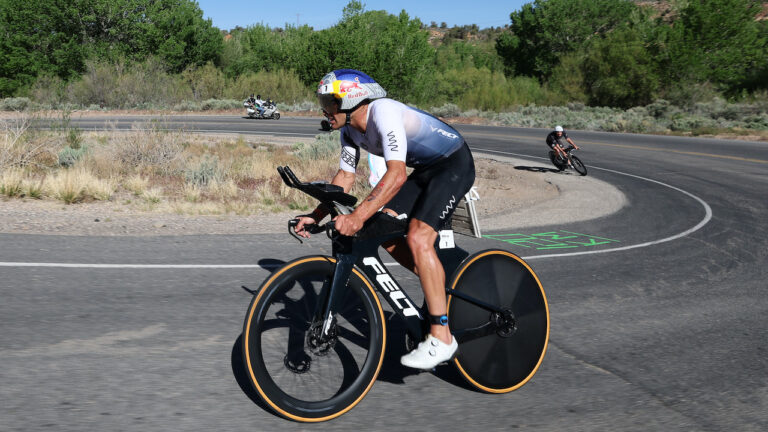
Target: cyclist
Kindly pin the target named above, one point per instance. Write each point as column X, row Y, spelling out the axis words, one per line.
column 444, row 171
column 554, row 141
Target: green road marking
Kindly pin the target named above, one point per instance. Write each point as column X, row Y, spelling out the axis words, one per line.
column 551, row 240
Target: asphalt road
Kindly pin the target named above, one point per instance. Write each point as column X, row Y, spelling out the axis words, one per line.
column 658, row 311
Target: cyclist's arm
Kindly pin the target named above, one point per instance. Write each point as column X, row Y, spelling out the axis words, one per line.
column 385, row 190
column 342, row 178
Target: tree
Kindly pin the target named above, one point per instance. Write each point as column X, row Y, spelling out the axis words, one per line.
column 38, row 37
column 619, row 71
column 58, row 36
column 717, row 40
column 544, row 30
column 394, row 50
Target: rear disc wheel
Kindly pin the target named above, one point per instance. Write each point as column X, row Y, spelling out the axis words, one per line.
column 499, row 351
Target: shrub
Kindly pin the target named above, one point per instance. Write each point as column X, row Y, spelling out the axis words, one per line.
column 11, row 183
column 324, row 146
column 188, row 106
column 68, row 156
column 206, row 82
column 306, row 105
column 220, row 104
column 446, row 110
column 148, row 147
column 14, row 104
column 152, row 196
column 205, row 172
column 282, row 86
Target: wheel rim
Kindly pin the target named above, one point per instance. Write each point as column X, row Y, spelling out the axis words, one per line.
column 578, row 166
column 302, row 376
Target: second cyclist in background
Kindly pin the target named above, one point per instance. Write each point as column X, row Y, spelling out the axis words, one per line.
column 555, row 141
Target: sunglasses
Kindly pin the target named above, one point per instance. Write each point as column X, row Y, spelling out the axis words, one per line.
column 329, row 104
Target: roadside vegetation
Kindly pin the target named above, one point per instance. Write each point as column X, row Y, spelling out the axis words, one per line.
column 616, row 65
column 151, row 169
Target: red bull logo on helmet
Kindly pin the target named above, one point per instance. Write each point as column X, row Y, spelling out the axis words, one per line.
column 349, row 86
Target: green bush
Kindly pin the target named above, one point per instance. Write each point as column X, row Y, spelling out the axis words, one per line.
column 188, row 106
column 446, row 110
column 217, row 104
column 68, row 156
column 14, row 104
column 206, row 82
column 324, row 146
column 280, row 85
column 205, row 172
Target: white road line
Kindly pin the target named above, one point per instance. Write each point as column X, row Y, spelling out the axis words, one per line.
column 152, row 266
column 704, row 221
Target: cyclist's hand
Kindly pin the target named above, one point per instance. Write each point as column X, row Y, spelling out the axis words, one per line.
column 303, row 220
column 348, row 225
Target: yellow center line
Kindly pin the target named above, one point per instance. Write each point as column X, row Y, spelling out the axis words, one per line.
column 762, row 161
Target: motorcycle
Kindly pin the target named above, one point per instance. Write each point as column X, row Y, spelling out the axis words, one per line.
column 270, row 110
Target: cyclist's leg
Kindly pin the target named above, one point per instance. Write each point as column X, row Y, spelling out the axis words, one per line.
column 403, row 203
column 446, row 184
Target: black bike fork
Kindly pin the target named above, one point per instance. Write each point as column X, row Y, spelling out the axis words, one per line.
column 325, row 312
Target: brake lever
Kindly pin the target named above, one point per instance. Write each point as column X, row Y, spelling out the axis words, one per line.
column 310, row 228
column 292, row 230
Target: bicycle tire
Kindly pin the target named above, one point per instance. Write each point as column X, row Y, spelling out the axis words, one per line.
column 578, row 165
column 312, row 383
column 554, row 159
column 506, row 357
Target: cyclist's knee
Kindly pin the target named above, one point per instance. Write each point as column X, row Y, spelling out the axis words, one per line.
column 421, row 237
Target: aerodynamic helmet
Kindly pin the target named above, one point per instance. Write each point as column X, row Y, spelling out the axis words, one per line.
column 558, row 128
column 347, row 88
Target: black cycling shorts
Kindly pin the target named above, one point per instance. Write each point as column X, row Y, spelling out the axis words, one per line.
column 431, row 193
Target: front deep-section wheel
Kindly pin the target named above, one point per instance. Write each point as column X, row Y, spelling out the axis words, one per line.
column 299, row 371
column 499, row 350
column 578, row 165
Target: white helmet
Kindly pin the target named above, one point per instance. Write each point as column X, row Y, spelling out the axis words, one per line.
column 558, row 128
column 348, row 88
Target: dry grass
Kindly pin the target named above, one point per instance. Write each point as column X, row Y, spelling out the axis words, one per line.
column 169, row 172
column 76, row 185
column 136, row 184
column 12, row 183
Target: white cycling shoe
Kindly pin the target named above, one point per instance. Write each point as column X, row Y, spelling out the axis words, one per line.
column 430, row 353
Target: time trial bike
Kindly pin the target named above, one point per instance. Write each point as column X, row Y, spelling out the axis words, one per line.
column 315, row 332
column 571, row 160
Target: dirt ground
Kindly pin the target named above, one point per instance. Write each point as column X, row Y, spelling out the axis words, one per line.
column 513, row 194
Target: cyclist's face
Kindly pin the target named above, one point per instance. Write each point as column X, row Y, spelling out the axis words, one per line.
column 559, row 133
column 331, row 112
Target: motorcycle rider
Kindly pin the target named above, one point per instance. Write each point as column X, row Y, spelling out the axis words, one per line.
column 443, row 172
column 258, row 105
column 554, row 141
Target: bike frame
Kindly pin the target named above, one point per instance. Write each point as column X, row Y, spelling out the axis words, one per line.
column 363, row 253
column 362, row 250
